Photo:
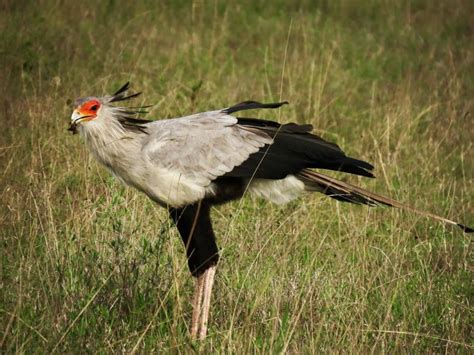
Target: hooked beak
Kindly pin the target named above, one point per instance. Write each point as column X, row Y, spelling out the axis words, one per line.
column 76, row 118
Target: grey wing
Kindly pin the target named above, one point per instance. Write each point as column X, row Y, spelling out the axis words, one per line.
column 202, row 147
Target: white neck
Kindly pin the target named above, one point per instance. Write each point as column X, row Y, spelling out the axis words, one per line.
column 110, row 143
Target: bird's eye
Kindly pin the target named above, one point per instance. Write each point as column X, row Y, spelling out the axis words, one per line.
column 94, row 108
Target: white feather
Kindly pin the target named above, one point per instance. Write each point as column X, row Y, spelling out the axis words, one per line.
column 277, row 191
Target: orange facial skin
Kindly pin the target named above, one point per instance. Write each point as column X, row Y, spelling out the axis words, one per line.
column 89, row 109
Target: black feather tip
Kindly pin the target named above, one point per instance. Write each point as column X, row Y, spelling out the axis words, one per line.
column 466, row 229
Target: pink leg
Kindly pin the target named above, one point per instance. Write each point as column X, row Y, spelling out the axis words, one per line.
column 202, row 303
column 197, row 300
column 206, row 303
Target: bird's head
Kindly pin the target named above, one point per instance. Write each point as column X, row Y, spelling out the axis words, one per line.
column 90, row 109
column 86, row 109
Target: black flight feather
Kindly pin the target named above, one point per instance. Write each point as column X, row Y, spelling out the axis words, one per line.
column 250, row 105
column 294, row 148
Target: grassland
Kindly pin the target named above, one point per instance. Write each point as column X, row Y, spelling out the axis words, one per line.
column 91, row 266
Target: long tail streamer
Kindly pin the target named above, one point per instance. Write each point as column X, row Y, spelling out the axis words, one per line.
column 346, row 192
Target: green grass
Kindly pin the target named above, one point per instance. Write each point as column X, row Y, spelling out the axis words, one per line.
column 91, row 266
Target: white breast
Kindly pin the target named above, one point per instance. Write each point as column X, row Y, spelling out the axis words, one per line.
column 170, row 188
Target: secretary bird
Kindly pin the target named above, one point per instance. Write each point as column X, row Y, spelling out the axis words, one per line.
column 192, row 163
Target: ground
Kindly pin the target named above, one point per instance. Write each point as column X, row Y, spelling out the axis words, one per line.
column 91, row 266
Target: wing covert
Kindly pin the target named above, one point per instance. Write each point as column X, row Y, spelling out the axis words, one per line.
column 201, row 147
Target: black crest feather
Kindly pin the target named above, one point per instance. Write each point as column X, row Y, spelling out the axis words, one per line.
column 127, row 115
column 121, row 94
column 122, row 89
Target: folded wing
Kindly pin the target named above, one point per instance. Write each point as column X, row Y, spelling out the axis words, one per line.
column 215, row 144
column 201, row 147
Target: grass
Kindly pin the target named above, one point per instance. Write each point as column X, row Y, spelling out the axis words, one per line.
column 91, row 266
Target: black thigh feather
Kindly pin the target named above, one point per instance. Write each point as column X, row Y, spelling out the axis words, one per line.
column 195, row 227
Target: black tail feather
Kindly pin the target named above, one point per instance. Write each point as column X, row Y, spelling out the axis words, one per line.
column 465, row 228
column 343, row 191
